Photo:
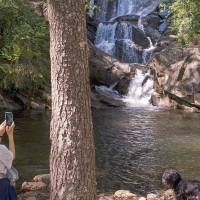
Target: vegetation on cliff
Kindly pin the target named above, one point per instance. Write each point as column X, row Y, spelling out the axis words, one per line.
column 185, row 20
column 24, row 47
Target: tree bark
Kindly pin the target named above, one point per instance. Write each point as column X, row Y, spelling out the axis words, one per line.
column 72, row 156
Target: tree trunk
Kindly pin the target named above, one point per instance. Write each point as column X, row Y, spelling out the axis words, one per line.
column 72, row 157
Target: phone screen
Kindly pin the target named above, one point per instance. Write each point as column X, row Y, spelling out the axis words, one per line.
column 9, row 118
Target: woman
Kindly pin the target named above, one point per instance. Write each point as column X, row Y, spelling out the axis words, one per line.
column 7, row 155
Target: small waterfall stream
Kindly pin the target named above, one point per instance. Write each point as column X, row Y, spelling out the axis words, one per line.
column 116, row 8
column 117, row 39
column 140, row 90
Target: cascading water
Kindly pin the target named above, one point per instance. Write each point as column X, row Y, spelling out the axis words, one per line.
column 117, row 39
column 124, row 7
column 140, row 89
column 146, row 52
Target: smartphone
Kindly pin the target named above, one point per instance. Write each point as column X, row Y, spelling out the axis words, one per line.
column 9, row 118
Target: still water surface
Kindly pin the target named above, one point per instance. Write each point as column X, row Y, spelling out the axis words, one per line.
column 133, row 146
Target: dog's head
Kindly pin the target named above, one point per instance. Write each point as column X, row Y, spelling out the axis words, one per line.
column 170, row 177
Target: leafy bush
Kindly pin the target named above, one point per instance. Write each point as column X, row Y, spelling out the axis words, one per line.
column 186, row 20
column 24, row 47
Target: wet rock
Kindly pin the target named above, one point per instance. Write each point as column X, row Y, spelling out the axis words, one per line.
column 3, row 104
column 22, row 100
column 152, row 20
column 8, row 104
column 110, row 101
column 162, row 27
column 123, row 85
column 105, row 69
column 139, row 38
column 165, row 14
column 127, row 18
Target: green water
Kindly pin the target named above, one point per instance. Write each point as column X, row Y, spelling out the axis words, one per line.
column 133, row 146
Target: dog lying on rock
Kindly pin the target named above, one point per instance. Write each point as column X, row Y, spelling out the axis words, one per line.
column 182, row 187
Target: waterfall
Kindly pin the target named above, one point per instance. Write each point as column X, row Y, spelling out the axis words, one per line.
column 140, row 90
column 105, row 38
column 146, row 52
column 124, row 7
column 117, row 39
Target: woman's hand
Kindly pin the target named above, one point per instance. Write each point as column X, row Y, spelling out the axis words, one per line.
column 10, row 129
column 2, row 128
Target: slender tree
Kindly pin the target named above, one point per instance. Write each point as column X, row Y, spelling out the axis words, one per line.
column 72, row 157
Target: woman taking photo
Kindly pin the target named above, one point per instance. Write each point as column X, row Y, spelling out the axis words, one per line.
column 7, row 155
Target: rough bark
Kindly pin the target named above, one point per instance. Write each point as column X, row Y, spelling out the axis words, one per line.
column 72, row 157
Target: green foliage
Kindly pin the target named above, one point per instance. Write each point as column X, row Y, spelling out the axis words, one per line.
column 163, row 6
column 24, row 47
column 186, row 20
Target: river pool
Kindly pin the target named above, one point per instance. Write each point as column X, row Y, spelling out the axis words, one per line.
column 133, row 146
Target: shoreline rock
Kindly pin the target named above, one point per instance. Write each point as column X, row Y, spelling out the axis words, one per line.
column 39, row 189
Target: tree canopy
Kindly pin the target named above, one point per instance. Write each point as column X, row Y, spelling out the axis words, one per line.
column 24, row 47
column 186, row 20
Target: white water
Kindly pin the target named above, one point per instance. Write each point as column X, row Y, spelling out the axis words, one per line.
column 139, row 93
column 124, row 7
column 118, row 34
column 105, row 38
column 117, row 40
column 146, row 52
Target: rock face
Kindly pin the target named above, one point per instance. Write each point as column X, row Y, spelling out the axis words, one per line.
column 105, row 69
column 177, row 75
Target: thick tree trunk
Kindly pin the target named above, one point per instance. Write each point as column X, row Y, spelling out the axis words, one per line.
column 72, row 157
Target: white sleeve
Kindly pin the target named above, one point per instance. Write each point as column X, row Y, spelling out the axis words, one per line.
column 6, row 156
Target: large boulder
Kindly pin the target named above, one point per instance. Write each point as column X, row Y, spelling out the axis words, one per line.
column 177, row 74
column 105, row 69
column 101, row 99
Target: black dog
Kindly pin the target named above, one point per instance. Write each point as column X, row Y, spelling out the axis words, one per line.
column 182, row 187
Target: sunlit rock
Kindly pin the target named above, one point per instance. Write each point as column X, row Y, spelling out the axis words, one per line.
column 177, row 74
column 169, row 195
column 124, row 195
column 151, row 197
column 28, row 186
